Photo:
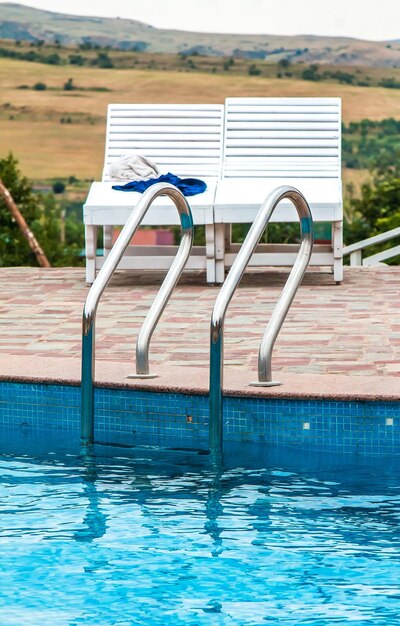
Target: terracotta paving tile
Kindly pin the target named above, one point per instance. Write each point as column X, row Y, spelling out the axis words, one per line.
column 352, row 329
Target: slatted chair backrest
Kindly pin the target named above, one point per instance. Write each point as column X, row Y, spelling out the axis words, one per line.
column 185, row 139
column 282, row 137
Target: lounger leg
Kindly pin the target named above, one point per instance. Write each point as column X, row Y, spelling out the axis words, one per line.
column 90, row 248
column 219, row 253
column 210, row 254
column 107, row 239
column 228, row 236
column 337, row 244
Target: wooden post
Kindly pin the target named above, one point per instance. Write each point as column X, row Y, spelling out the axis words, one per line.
column 23, row 226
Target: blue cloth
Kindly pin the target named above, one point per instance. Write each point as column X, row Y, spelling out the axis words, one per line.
column 188, row 186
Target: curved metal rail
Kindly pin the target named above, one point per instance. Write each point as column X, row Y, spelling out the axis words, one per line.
column 102, row 280
column 278, row 316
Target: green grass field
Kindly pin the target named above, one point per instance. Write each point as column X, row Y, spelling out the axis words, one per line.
column 57, row 134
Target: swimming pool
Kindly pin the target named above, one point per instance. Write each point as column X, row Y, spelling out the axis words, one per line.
column 125, row 536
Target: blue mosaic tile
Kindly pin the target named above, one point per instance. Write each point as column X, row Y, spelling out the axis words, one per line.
column 136, row 417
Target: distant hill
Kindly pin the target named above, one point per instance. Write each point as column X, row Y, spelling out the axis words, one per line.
column 24, row 23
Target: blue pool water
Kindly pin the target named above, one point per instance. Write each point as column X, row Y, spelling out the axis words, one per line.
column 126, row 536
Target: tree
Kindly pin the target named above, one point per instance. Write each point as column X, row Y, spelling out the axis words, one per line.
column 27, row 233
column 14, row 249
column 43, row 215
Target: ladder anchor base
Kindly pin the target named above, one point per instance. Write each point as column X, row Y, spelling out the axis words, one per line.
column 267, row 383
column 142, row 376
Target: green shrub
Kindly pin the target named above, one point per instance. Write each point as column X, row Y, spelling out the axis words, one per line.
column 69, row 85
column 58, row 187
column 311, row 73
column 52, row 59
column 228, row 64
column 76, row 59
column 254, row 70
column 103, row 60
column 390, row 83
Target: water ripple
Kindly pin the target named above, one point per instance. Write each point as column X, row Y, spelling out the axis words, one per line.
column 162, row 538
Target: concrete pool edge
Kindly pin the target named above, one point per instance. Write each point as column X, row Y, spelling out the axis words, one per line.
column 189, row 380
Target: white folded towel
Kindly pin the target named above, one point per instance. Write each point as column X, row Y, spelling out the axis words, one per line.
column 132, row 167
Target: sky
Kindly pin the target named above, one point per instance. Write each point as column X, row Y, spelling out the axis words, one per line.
column 364, row 19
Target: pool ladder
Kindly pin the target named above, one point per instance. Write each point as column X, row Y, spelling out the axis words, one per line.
column 156, row 309
column 279, row 313
column 222, row 302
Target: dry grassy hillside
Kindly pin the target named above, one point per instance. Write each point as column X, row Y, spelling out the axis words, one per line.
column 20, row 22
column 58, row 133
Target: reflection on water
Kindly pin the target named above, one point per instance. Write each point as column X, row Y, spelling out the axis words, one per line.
column 94, row 523
column 147, row 536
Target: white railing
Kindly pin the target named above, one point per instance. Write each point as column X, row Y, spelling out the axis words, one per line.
column 356, row 249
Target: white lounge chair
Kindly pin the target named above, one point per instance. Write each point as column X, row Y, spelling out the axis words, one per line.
column 269, row 142
column 183, row 139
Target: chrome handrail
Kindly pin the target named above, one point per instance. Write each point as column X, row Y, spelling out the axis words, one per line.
column 281, row 308
column 102, row 280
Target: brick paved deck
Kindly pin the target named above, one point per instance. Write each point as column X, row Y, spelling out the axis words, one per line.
column 349, row 330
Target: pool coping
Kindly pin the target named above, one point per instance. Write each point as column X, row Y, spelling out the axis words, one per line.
column 110, row 374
